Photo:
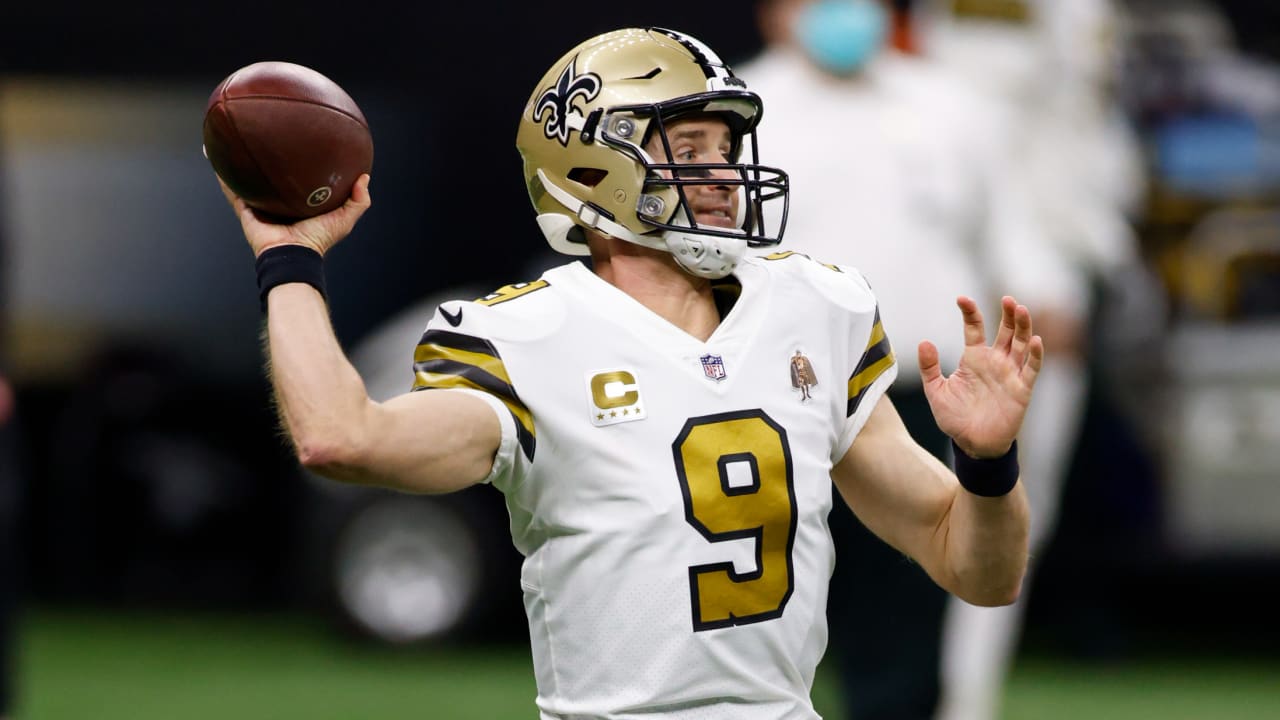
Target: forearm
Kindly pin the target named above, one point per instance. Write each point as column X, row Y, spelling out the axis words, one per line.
column 986, row 546
column 974, row 547
column 320, row 397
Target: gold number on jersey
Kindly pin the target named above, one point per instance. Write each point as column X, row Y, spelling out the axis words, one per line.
column 735, row 473
column 784, row 254
column 511, row 292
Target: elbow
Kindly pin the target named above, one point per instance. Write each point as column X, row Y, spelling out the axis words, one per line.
column 997, row 594
column 330, row 455
column 1000, row 597
column 991, row 598
column 1012, row 594
column 315, row 456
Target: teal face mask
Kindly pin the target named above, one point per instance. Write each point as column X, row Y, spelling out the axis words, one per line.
column 841, row 35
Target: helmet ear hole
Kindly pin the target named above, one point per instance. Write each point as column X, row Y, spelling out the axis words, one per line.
column 589, row 177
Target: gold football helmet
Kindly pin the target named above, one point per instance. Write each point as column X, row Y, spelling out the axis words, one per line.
column 583, row 135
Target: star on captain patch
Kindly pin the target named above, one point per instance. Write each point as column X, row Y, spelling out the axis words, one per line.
column 802, row 375
column 713, row 366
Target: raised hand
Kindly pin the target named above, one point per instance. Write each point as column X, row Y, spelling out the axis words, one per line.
column 982, row 404
column 320, row 233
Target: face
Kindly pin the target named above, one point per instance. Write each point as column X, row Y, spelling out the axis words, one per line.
column 699, row 141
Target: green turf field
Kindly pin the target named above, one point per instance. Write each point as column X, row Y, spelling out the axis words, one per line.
column 119, row 666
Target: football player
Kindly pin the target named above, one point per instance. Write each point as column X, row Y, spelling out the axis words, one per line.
column 668, row 481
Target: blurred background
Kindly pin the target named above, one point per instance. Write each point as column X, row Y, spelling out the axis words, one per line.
column 166, row 555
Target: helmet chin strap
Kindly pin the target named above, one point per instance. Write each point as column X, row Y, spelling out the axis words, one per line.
column 706, row 256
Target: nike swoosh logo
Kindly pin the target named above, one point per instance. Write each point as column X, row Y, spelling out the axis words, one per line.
column 454, row 319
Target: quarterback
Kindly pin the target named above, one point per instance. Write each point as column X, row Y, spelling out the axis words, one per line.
column 667, row 419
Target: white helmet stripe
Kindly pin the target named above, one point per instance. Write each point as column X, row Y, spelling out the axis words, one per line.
column 711, row 63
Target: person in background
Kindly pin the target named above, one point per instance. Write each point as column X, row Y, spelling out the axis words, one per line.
column 902, row 171
column 1054, row 66
column 668, row 464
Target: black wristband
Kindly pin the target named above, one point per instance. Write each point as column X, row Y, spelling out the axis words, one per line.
column 988, row 477
column 289, row 264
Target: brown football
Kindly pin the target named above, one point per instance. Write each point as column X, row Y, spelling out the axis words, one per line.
column 287, row 139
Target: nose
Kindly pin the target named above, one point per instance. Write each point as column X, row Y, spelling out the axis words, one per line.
column 724, row 174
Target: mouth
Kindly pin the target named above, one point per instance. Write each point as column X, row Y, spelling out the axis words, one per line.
column 717, row 216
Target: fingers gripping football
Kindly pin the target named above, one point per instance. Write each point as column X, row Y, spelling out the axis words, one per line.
column 320, row 233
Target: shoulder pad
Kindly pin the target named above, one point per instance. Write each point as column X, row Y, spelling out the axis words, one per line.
column 521, row 311
column 840, row 284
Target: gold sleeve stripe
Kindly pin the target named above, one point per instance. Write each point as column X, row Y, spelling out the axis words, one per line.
column 451, row 360
column 877, row 332
column 431, row 352
column 877, row 358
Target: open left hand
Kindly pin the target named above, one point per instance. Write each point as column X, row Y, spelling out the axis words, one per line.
column 982, row 403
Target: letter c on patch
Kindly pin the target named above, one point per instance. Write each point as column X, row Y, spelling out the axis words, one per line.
column 614, row 389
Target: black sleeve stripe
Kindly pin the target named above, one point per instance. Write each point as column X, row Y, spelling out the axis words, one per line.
column 877, row 352
column 525, row 436
column 525, row 432
column 458, row 341
column 479, row 377
column 876, row 359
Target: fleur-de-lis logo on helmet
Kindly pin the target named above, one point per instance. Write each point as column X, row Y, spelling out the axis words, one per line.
column 556, row 103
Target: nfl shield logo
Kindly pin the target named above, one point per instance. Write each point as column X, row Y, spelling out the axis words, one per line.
column 713, row 367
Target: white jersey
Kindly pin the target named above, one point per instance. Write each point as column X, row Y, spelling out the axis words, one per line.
column 670, row 495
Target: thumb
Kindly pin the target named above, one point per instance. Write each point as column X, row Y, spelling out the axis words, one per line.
column 360, row 199
column 356, row 204
column 930, row 370
column 324, row 231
